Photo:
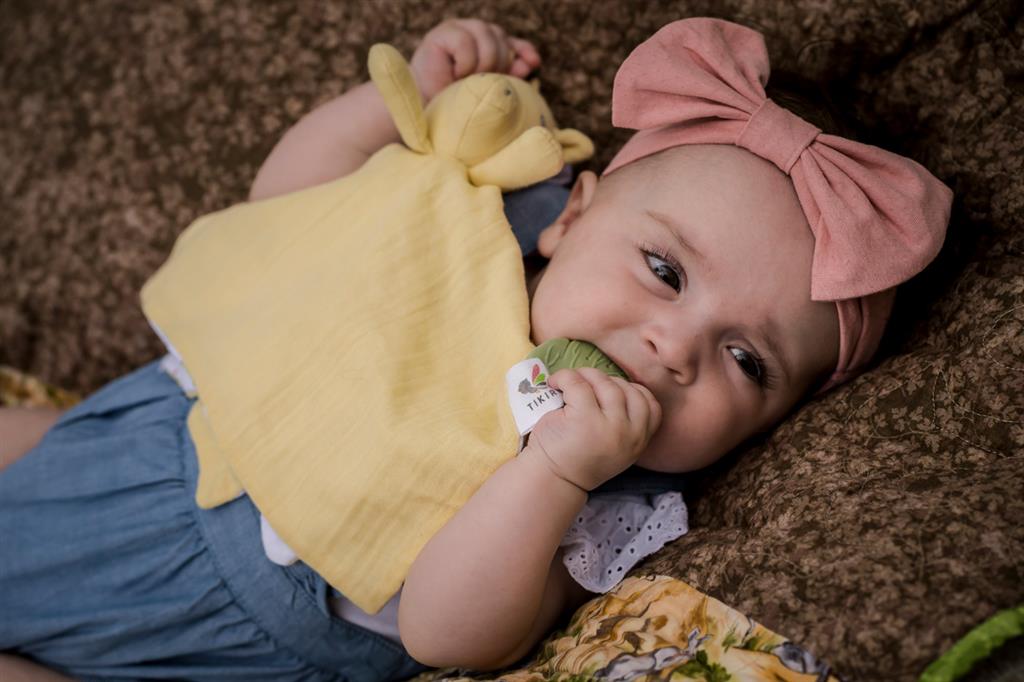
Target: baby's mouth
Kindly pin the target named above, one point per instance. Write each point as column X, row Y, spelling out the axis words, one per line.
column 626, row 368
column 633, row 375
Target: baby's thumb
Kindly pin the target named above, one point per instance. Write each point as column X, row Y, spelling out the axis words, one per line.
column 560, row 379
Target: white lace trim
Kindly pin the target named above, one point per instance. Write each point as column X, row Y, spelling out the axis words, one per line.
column 614, row 532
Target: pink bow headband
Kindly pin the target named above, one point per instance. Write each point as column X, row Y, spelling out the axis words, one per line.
column 877, row 218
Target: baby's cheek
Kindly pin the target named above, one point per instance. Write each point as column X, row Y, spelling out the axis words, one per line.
column 699, row 434
column 539, row 322
column 673, row 445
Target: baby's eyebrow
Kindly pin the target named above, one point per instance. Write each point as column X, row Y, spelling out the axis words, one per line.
column 673, row 227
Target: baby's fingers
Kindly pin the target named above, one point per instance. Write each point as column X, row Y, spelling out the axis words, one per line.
column 576, row 390
column 505, row 53
column 490, row 48
column 607, row 390
column 454, row 38
column 642, row 410
column 642, row 405
column 499, row 52
column 526, row 57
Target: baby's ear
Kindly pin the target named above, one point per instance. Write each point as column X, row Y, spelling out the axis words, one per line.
column 579, row 199
column 549, row 239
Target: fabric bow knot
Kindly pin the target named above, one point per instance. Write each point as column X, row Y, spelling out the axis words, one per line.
column 878, row 218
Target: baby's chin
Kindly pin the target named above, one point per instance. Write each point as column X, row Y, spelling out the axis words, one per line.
column 669, row 457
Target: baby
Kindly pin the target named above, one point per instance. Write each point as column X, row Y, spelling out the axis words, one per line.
column 732, row 260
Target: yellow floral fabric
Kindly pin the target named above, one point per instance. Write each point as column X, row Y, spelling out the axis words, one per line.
column 18, row 389
column 660, row 628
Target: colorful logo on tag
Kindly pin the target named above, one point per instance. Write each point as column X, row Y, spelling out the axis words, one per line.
column 536, row 382
column 529, row 394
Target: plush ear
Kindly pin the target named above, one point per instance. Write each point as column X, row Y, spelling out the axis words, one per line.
column 575, row 145
column 533, row 156
column 390, row 73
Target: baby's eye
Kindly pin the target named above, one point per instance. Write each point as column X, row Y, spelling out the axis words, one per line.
column 751, row 365
column 664, row 267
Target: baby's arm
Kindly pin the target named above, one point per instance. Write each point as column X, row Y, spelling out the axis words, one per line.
column 490, row 584
column 17, row 669
column 336, row 138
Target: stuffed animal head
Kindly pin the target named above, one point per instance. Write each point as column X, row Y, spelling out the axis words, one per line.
column 498, row 126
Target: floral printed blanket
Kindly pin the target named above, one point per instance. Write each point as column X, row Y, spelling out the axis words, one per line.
column 659, row 628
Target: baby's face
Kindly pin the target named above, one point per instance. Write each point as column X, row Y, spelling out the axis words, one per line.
column 692, row 272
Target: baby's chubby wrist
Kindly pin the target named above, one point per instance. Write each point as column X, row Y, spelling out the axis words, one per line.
column 536, row 462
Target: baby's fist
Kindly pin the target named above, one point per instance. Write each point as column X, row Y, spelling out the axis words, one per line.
column 456, row 48
column 604, row 427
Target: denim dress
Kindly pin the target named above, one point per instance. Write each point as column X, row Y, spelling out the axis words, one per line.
column 109, row 569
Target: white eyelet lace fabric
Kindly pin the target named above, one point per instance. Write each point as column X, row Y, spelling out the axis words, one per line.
column 613, row 532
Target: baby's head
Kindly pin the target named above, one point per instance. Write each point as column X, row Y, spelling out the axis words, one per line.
column 692, row 263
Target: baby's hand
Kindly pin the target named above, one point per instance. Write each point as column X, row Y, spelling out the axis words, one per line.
column 604, row 426
column 456, row 48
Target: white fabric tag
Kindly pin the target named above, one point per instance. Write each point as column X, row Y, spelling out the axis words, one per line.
column 529, row 394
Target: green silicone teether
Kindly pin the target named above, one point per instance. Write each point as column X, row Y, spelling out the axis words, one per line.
column 559, row 354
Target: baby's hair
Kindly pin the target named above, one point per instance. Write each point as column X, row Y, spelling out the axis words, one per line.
column 810, row 101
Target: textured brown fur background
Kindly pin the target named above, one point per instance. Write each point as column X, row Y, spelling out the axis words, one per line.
column 875, row 527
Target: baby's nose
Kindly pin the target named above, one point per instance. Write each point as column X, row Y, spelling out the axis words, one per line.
column 679, row 352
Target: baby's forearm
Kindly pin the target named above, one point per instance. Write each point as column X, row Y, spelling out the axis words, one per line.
column 329, row 142
column 479, row 593
column 16, row 669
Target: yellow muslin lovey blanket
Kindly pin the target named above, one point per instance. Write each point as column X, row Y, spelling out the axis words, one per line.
column 348, row 342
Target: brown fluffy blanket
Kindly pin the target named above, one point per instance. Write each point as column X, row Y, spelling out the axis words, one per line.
column 875, row 527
